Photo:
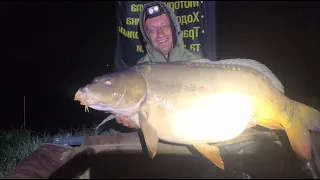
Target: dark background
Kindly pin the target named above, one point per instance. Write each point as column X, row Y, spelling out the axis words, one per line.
column 50, row 49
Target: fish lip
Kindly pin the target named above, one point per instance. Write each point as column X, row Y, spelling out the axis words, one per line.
column 82, row 96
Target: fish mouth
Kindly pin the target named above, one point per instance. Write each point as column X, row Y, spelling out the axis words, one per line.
column 84, row 99
column 88, row 101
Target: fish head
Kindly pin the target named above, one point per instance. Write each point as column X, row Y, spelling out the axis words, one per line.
column 113, row 92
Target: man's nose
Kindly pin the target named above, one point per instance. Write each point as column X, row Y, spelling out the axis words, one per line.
column 160, row 31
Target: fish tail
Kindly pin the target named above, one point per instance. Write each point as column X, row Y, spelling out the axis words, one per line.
column 311, row 117
column 303, row 120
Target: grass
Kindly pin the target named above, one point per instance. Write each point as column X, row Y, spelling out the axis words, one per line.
column 17, row 144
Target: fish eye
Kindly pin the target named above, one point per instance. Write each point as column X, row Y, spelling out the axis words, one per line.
column 108, row 82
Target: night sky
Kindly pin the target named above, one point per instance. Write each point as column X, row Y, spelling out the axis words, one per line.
column 52, row 49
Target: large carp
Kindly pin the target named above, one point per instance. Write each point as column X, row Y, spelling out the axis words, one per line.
column 201, row 102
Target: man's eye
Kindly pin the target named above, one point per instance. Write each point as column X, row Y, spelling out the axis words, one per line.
column 151, row 30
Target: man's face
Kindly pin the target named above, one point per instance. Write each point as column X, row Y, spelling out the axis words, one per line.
column 160, row 33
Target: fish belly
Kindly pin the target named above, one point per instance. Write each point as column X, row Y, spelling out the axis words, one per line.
column 209, row 118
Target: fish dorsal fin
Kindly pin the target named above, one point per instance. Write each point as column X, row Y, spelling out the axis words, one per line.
column 201, row 61
column 259, row 67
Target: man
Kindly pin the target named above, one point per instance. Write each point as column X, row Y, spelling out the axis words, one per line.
column 163, row 41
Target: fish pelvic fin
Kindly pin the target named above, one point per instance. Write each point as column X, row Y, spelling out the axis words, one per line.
column 149, row 132
column 303, row 120
column 211, row 152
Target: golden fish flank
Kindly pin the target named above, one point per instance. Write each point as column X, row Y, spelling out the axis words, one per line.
column 207, row 96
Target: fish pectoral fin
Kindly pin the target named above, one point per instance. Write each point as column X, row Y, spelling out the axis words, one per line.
column 210, row 152
column 149, row 132
column 105, row 120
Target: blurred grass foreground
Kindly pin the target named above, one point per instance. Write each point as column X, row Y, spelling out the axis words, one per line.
column 17, row 144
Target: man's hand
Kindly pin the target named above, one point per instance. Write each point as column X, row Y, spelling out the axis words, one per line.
column 125, row 121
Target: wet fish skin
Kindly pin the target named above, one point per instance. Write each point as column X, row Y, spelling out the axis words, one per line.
column 156, row 96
